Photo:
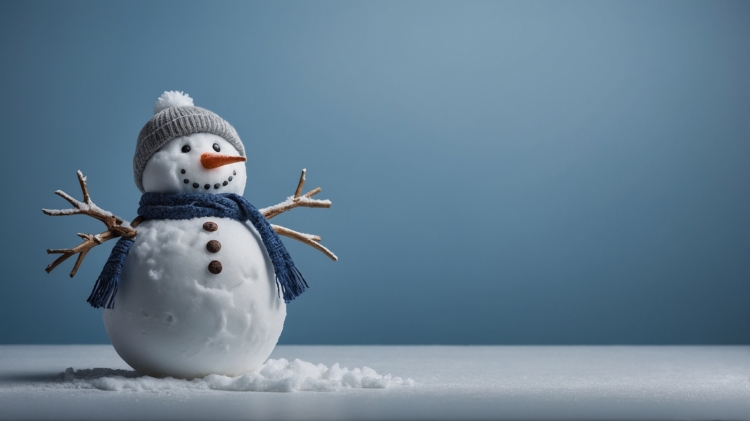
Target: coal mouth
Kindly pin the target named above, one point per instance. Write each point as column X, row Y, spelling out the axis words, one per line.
column 207, row 186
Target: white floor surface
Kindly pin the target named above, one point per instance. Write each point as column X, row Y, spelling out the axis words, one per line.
column 450, row 382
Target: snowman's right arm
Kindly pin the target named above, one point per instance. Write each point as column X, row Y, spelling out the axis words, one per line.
column 116, row 227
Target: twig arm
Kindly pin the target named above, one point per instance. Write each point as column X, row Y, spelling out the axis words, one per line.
column 89, row 241
column 84, row 188
column 116, row 227
column 300, row 184
column 297, row 200
column 291, row 202
column 309, row 239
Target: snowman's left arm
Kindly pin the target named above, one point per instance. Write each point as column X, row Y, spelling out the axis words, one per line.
column 309, row 239
column 291, row 202
column 299, row 199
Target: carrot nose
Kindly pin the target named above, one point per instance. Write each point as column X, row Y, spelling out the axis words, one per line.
column 216, row 160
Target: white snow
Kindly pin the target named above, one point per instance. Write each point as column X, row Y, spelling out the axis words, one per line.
column 451, row 382
column 172, row 99
column 274, row 376
column 61, row 212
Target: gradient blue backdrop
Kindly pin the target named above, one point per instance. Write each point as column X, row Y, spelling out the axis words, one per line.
column 501, row 172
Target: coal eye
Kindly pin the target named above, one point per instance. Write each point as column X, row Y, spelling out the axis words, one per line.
column 186, row 149
column 216, row 147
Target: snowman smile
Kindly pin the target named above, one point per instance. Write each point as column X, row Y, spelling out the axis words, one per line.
column 207, row 186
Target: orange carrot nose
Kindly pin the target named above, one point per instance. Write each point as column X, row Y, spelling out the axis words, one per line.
column 216, row 160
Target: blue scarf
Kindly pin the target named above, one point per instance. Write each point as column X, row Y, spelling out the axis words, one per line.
column 289, row 280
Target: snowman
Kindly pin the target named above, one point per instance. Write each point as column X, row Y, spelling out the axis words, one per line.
column 198, row 283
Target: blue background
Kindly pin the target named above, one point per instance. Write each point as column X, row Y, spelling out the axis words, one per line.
column 501, row 172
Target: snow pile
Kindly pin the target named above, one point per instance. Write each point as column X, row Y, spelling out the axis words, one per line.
column 273, row 376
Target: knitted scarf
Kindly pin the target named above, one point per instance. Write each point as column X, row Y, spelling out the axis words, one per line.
column 289, row 280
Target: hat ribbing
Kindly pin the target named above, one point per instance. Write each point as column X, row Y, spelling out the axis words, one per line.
column 176, row 121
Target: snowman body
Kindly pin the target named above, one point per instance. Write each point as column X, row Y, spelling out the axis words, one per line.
column 196, row 296
column 176, row 317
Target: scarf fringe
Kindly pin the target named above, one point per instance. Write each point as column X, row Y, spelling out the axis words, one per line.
column 105, row 289
column 290, row 284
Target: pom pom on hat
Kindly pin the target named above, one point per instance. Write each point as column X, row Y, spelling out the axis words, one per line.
column 172, row 99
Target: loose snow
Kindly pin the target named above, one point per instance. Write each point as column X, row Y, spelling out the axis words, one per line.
column 278, row 375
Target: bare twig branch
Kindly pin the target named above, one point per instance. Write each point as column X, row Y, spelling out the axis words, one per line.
column 66, row 197
column 313, row 192
column 303, row 200
column 87, row 207
column 84, row 189
column 297, row 200
column 89, row 241
column 300, row 184
column 291, row 203
column 309, row 239
column 116, row 227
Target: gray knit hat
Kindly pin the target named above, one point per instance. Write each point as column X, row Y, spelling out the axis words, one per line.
column 176, row 116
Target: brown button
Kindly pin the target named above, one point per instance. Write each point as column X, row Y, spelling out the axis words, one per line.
column 214, row 267
column 210, row 226
column 213, row 246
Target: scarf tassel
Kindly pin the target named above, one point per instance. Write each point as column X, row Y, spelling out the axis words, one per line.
column 105, row 289
column 290, row 283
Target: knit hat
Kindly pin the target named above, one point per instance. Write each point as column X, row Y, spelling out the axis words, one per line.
column 176, row 116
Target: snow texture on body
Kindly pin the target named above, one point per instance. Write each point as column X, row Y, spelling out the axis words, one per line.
column 172, row 317
column 274, row 376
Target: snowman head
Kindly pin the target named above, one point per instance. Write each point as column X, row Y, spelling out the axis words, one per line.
column 188, row 149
